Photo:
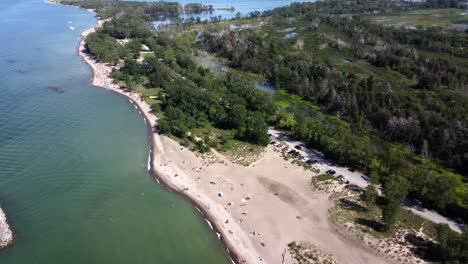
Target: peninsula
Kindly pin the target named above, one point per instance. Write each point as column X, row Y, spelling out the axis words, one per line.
column 265, row 193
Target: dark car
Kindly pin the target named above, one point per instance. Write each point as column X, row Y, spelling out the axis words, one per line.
column 330, row 172
column 365, row 177
column 459, row 221
column 298, row 147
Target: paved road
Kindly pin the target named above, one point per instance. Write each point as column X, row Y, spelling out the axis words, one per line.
column 356, row 179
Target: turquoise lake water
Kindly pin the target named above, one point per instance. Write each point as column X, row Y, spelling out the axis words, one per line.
column 73, row 165
column 73, row 158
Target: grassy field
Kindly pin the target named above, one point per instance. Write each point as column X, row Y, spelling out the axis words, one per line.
column 424, row 18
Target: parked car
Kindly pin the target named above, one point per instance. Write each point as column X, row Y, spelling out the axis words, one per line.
column 459, row 221
column 343, row 179
column 318, row 167
column 417, row 202
column 365, row 177
column 298, row 147
column 330, row 172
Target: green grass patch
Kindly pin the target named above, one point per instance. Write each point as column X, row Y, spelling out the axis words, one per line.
column 424, row 18
column 325, row 177
column 147, row 55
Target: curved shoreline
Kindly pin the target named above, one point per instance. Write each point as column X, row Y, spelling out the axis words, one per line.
column 230, row 250
column 284, row 208
column 144, row 109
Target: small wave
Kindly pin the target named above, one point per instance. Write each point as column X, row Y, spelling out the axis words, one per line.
column 198, row 209
column 144, row 119
column 209, row 223
column 149, row 161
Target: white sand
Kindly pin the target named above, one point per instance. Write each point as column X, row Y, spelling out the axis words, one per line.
column 281, row 207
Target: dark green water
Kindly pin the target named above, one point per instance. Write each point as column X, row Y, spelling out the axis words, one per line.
column 73, row 165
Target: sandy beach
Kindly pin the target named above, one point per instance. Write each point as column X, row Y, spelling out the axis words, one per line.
column 6, row 235
column 256, row 210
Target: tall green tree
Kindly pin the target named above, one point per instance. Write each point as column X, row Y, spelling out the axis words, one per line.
column 370, row 196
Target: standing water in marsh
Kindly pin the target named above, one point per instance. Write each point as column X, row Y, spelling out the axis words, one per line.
column 73, row 159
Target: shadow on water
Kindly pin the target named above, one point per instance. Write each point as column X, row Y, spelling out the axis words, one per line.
column 56, row 89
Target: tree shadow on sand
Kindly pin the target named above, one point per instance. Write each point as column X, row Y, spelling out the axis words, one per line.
column 351, row 205
column 420, row 246
column 377, row 226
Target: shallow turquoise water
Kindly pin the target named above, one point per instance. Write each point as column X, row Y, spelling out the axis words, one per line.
column 73, row 165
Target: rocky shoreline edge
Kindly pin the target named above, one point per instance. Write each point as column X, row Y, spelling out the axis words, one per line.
column 6, row 234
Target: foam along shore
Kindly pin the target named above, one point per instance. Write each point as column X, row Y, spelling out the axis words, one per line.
column 6, row 235
column 262, row 207
column 101, row 78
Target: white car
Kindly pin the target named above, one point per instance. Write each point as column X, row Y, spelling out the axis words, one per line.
column 318, row 167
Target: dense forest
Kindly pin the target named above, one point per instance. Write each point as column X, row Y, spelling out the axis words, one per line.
column 429, row 114
column 412, row 89
column 388, row 101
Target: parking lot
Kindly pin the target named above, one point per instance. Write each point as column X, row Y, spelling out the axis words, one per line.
column 316, row 159
column 354, row 177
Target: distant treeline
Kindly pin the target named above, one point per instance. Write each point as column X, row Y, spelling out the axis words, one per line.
column 148, row 11
column 196, row 8
column 360, row 7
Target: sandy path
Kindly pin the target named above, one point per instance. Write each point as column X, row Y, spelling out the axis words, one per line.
column 278, row 193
